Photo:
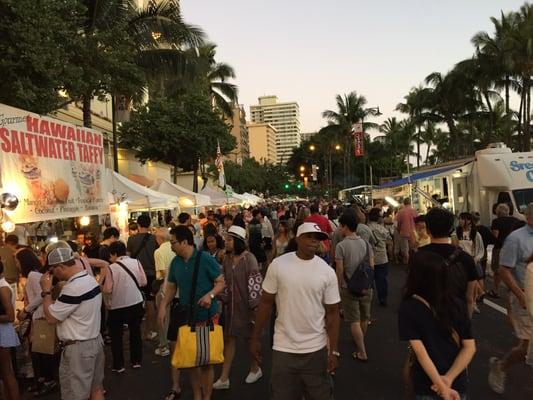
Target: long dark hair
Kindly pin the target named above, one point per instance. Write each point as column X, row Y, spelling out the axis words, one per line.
column 473, row 228
column 429, row 278
column 28, row 261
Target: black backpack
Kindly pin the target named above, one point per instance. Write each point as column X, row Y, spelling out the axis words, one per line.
column 362, row 280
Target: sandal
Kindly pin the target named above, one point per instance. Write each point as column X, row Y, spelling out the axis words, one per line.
column 355, row 356
column 173, row 395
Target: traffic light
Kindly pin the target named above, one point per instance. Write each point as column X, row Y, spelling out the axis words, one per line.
column 299, row 186
column 286, row 186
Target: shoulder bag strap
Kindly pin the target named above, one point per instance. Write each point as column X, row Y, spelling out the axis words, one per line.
column 129, row 273
column 141, row 246
column 193, row 289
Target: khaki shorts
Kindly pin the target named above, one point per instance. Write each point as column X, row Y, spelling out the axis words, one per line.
column 522, row 321
column 297, row 375
column 356, row 309
column 82, row 369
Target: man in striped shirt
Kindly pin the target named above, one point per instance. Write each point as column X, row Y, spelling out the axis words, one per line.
column 77, row 315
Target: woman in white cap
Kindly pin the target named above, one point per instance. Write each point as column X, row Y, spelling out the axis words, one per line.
column 241, row 297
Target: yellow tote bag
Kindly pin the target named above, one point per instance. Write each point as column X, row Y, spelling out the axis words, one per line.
column 198, row 346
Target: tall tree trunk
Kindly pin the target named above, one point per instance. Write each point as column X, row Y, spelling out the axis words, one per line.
column 507, row 84
column 195, row 178
column 520, row 115
column 427, row 152
column 86, row 107
column 527, row 133
column 454, row 136
column 418, row 147
column 175, row 173
column 491, row 136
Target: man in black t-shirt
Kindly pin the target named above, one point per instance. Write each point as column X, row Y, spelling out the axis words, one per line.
column 501, row 227
column 142, row 247
column 440, row 225
column 110, row 235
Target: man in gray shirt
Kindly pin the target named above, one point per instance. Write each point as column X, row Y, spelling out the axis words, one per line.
column 349, row 254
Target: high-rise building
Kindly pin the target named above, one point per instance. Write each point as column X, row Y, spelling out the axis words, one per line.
column 285, row 118
column 239, row 130
column 262, row 142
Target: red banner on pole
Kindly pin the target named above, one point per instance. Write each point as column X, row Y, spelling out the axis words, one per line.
column 358, row 140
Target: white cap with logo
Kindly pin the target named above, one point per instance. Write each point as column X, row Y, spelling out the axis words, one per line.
column 310, row 227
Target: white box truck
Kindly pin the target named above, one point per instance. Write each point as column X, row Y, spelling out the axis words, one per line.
column 495, row 173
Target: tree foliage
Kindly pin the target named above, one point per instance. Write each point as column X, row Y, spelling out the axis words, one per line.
column 181, row 134
column 38, row 41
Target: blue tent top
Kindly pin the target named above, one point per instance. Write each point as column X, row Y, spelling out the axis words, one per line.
column 417, row 176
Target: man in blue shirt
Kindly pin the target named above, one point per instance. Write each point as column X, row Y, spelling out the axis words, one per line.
column 515, row 254
column 210, row 283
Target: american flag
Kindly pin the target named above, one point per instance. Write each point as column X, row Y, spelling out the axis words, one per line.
column 219, row 163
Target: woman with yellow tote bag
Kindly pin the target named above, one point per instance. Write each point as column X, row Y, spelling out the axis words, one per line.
column 198, row 344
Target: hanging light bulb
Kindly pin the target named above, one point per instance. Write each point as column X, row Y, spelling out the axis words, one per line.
column 7, row 226
column 85, row 221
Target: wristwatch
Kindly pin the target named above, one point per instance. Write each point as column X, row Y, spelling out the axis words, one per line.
column 44, row 294
column 335, row 353
column 212, row 296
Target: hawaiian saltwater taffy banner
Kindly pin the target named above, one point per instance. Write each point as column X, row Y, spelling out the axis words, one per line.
column 54, row 168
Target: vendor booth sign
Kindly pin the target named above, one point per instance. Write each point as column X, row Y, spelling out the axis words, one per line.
column 54, row 168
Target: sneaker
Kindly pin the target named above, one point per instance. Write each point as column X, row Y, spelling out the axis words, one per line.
column 119, row 370
column 151, row 335
column 136, row 366
column 162, row 351
column 254, row 376
column 496, row 375
column 221, row 384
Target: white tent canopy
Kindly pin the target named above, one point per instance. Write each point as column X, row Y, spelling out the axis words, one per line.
column 187, row 198
column 136, row 196
column 219, row 198
column 253, row 198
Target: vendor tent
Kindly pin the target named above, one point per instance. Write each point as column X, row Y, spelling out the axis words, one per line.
column 219, row 198
column 136, row 196
column 187, row 198
column 253, row 198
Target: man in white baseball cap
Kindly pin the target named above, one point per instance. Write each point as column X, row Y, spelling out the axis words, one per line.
column 77, row 315
column 306, row 293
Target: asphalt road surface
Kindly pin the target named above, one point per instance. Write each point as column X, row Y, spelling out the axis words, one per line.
column 379, row 379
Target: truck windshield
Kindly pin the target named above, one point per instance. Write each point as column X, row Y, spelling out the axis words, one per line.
column 523, row 197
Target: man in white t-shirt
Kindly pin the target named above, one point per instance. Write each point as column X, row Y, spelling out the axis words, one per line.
column 305, row 290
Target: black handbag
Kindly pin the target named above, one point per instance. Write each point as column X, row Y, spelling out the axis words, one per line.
column 362, row 280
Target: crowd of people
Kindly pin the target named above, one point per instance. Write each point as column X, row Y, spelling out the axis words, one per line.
column 291, row 271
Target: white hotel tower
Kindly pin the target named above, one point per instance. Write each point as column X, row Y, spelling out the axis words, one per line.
column 285, row 117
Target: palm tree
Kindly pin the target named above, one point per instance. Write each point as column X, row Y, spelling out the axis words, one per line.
column 223, row 93
column 497, row 53
column 350, row 110
column 415, row 105
column 428, row 136
column 122, row 45
column 397, row 140
column 451, row 97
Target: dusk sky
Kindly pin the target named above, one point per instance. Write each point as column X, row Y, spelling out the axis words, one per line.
column 309, row 50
